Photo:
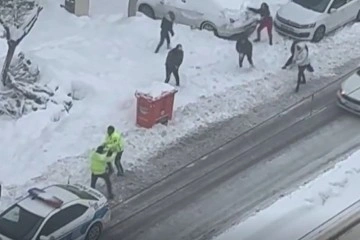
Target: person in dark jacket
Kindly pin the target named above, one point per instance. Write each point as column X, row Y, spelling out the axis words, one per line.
column 266, row 21
column 173, row 62
column 166, row 28
column 290, row 60
column 244, row 48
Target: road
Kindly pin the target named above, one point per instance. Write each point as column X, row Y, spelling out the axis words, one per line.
column 248, row 173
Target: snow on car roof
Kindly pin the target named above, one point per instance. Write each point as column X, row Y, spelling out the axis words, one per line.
column 40, row 208
column 232, row 4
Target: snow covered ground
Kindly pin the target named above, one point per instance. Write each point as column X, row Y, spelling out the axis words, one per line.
column 300, row 212
column 109, row 58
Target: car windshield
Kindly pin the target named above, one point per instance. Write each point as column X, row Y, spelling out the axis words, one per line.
column 315, row 5
column 19, row 224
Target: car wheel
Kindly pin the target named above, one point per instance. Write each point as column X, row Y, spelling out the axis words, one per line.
column 94, row 232
column 209, row 27
column 319, row 34
column 358, row 17
column 147, row 10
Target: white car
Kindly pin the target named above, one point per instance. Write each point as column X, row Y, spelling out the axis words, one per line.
column 349, row 94
column 313, row 19
column 219, row 16
column 57, row 212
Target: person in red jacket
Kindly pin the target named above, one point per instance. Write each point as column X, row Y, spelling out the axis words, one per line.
column 266, row 21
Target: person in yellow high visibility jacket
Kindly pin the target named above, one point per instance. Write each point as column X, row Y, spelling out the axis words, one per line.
column 99, row 169
column 114, row 143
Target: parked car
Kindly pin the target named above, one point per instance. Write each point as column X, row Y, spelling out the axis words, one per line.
column 313, row 19
column 349, row 94
column 218, row 16
column 56, row 212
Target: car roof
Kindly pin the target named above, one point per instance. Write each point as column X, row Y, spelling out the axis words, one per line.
column 42, row 209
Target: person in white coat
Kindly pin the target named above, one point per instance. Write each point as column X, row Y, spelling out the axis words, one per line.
column 302, row 60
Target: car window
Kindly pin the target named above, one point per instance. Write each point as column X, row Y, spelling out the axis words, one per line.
column 315, row 5
column 338, row 4
column 60, row 219
column 18, row 223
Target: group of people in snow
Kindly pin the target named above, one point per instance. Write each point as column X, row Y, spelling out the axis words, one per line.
column 299, row 50
column 103, row 157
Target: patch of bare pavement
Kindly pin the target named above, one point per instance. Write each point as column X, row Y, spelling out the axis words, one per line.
column 170, row 171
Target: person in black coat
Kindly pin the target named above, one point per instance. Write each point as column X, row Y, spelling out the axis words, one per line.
column 244, row 48
column 266, row 21
column 166, row 28
column 173, row 62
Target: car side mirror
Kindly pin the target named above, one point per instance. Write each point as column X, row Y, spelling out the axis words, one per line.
column 47, row 238
column 332, row 10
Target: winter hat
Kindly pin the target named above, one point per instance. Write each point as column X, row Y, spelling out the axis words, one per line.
column 179, row 46
column 100, row 149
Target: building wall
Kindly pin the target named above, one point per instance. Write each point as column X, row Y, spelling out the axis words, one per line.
column 108, row 7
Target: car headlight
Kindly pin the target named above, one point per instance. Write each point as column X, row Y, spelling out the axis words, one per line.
column 312, row 25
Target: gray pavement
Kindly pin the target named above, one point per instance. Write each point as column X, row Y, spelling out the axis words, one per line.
column 202, row 198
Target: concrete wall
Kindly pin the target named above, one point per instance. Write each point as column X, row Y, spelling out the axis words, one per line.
column 109, row 7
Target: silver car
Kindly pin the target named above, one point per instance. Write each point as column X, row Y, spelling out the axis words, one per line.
column 211, row 15
column 349, row 94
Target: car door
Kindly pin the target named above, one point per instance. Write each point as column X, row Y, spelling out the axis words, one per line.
column 337, row 14
column 184, row 12
column 352, row 9
column 68, row 223
column 191, row 11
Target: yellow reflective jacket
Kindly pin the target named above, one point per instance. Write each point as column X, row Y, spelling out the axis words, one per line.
column 114, row 142
column 98, row 163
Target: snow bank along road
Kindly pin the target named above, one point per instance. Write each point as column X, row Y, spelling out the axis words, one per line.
column 248, row 173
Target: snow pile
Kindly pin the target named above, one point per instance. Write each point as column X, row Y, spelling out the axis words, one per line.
column 155, row 91
column 300, row 212
column 103, row 60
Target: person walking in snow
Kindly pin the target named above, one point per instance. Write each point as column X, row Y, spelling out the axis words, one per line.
column 114, row 143
column 290, row 59
column 302, row 60
column 99, row 169
column 173, row 62
column 244, row 48
column 166, row 28
column 266, row 21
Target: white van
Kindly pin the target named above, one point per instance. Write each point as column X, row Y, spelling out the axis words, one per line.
column 313, row 19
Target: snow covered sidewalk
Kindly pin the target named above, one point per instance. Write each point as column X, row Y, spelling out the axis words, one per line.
column 107, row 58
column 300, row 212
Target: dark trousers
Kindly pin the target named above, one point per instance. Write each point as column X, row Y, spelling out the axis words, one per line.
column 267, row 23
column 172, row 70
column 106, row 178
column 163, row 36
column 241, row 59
column 301, row 77
column 118, row 165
